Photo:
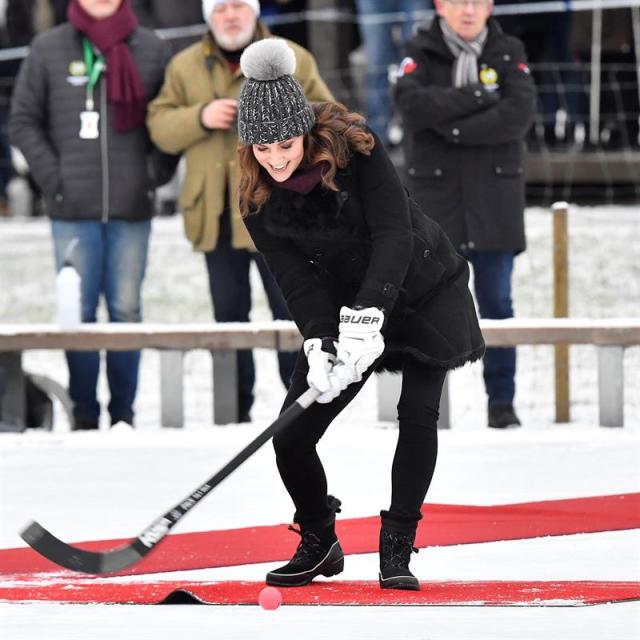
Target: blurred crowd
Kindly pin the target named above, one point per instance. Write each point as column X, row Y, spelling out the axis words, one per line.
column 558, row 45
column 103, row 114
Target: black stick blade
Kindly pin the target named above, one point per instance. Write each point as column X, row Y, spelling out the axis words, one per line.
column 70, row 557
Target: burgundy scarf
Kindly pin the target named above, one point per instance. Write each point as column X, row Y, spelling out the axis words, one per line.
column 125, row 90
column 302, row 180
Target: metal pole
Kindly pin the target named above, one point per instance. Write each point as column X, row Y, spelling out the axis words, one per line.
column 635, row 20
column 561, row 307
column 596, row 66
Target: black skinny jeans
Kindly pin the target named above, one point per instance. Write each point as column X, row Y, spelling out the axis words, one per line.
column 415, row 458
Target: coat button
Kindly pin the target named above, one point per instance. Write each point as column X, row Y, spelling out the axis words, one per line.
column 344, row 195
column 437, row 172
column 498, row 169
column 412, row 171
column 477, row 93
column 463, row 246
column 507, row 57
column 58, row 197
column 472, row 244
column 455, row 131
column 426, row 253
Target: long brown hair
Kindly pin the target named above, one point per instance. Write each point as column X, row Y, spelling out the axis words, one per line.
column 336, row 134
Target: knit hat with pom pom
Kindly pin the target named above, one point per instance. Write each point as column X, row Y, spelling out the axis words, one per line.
column 272, row 106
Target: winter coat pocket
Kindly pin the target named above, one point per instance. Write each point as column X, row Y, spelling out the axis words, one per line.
column 425, row 272
column 192, row 203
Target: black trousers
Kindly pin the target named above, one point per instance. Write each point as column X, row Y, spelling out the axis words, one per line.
column 416, row 451
column 230, row 289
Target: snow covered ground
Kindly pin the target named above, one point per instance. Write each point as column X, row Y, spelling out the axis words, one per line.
column 69, row 481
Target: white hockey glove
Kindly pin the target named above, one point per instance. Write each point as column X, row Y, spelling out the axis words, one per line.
column 360, row 342
column 321, row 357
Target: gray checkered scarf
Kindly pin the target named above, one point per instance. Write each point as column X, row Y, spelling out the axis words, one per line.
column 466, row 52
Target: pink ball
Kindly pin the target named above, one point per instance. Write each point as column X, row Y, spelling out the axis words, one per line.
column 270, row 598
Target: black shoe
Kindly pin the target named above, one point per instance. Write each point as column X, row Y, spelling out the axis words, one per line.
column 121, row 422
column 83, row 424
column 318, row 554
column 396, row 546
column 503, row 416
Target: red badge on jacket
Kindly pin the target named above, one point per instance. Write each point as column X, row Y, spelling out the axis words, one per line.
column 408, row 65
column 523, row 67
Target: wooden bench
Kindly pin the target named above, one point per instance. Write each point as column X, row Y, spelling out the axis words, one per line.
column 610, row 336
column 171, row 340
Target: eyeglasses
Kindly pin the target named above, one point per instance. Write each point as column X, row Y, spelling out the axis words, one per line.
column 476, row 4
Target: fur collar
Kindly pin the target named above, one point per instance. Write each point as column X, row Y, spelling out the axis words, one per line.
column 318, row 214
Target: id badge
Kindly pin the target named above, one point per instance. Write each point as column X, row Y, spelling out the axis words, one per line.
column 89, row 125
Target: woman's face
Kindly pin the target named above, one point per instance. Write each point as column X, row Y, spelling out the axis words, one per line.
column 100, row 9
column 280, row 159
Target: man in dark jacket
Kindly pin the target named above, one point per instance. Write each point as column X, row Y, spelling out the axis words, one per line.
column 78, row 116
column 467, row 100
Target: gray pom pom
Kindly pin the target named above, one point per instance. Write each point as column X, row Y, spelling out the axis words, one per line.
column 268, row 59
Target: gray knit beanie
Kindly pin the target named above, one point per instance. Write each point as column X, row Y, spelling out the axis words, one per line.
column 272, row 105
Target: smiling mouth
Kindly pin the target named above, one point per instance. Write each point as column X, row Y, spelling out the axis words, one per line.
column 279, row 167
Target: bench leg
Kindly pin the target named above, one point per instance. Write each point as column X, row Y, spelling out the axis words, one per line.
column 171, row 388
column 13, row 410
column 611, row 386
column 389, row 387
column 444, row 421
column 225, row 386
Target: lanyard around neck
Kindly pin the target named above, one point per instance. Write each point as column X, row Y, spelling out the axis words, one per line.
column 95, row 66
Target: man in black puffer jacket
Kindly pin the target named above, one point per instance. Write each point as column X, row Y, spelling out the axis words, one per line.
column 78, row 116
column 467, row 100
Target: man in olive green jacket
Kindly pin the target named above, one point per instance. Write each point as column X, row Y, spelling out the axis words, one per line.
column 194, row 114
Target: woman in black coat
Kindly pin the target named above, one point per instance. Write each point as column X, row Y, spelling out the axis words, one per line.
column 371, row 283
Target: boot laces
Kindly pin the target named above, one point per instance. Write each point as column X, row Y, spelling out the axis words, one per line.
column 396, row 549
column 310, row 545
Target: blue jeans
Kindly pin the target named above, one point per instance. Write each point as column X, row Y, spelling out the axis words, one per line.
column 492, row 280
column 381, row 51
column 111, row 259
column 230, row 289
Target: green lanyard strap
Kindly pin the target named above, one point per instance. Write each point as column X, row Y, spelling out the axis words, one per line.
column 95, row 66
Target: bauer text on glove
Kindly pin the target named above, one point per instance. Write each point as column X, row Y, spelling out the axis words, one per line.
column 360, row 341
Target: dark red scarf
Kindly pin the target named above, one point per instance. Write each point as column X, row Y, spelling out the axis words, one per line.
column 302, row 180
column 125, row 90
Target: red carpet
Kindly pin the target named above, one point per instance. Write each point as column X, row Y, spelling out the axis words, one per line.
column 501, row 593
column 442, row 525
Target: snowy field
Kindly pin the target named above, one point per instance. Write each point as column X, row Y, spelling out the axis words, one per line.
column 69, row 481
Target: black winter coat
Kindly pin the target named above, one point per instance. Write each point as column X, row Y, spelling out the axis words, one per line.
column 464, row 146
column 111, row 177
column 368, row 244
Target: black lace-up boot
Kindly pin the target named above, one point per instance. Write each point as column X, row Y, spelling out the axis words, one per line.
column 396, row 545
column 318, row 553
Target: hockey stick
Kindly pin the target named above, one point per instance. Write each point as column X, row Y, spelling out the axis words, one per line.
column 70, row 557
